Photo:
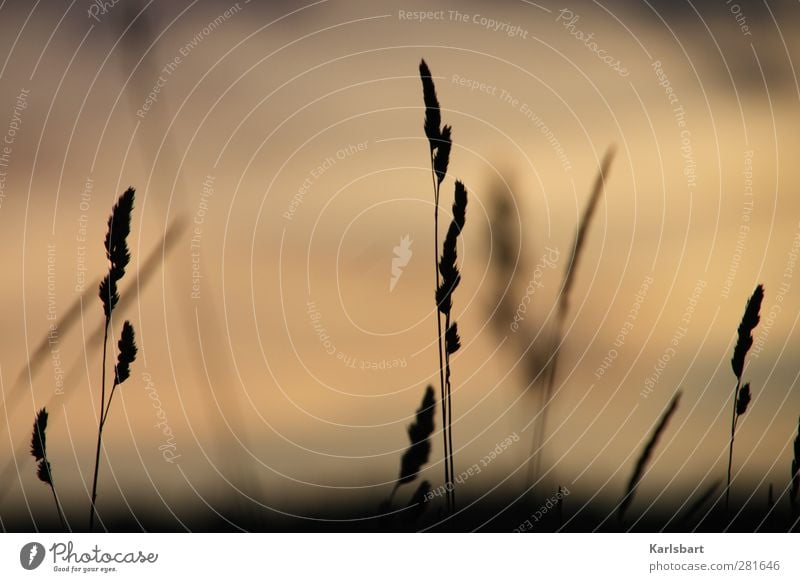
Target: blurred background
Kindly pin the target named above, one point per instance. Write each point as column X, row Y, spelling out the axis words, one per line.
column 279, row 161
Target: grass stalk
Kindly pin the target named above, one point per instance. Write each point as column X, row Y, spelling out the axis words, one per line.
column 39, row 452
column 540, row 434
column 647, row 452
column 439, row 337
column 419, row 449
column 444, row 299
column 433, row 132
column 741, row 395
column 116, row 247
column 92, row 509
column 440, row 143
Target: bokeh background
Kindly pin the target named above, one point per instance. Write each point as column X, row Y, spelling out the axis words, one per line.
column 278, row 158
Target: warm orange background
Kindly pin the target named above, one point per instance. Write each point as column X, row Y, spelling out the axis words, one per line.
column 252, row 397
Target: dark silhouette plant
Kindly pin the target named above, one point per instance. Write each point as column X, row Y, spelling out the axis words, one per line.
column 647, row 452
column 39, row 452
column 447, row 274
column 741, row 394
column 119, row 227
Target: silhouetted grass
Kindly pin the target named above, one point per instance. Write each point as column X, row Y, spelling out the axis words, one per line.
column 448, row 278
column 447, row 274
column 119, row 227
column 140, row 281
column 741, row 394
column 419, row 450
column 647, row 452
column 444, row 298
column 433, row 121
column 540, row 435
column 39, row 452
column 419, row 433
